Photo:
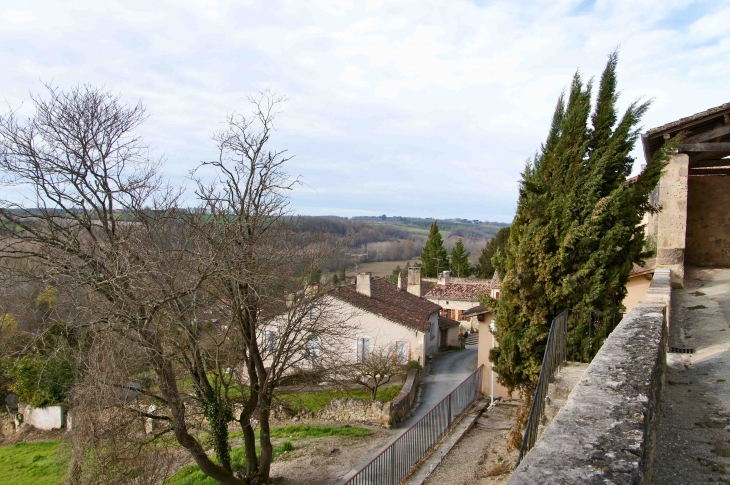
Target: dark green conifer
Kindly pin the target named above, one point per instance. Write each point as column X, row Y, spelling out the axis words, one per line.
column 484, row 267
column 577, row 232
column 434, row 258
column 460, row 266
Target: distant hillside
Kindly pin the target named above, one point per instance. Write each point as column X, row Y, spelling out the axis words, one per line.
column 397, row 238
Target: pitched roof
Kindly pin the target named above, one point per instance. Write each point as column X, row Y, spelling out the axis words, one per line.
column 476, row 310
column 445, row 322
column 459, row 291
column 389, row 302
column 648, row 267
column 494, row 284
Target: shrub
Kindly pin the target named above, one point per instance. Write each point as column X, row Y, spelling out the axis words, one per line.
column 40, row 381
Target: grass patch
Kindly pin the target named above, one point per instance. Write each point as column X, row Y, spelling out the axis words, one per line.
column 299, row 432
column 191, row 475
column 38, row 463
column 316, row 401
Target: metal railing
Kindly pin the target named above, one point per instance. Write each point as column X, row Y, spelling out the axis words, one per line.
column 587, row 330
column 397, row 460
column 556, row 351
column 575, row 335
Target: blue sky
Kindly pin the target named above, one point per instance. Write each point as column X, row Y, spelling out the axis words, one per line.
column 417, row 108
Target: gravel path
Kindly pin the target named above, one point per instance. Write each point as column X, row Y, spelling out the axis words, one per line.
column 693, row 443
column 481, row 456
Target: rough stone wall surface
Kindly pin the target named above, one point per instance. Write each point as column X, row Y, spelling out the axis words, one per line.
column 606, row 431
column 403, row 402
column 672, row 219
column 357, row 410
column 47, row 418
column 708, row 221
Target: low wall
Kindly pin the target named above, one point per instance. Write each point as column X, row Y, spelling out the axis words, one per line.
column 606, row 431
column 47, row 418
column 403, row 402
column 357, row 410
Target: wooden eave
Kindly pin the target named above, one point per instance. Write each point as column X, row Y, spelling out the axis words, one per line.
column 707, row 142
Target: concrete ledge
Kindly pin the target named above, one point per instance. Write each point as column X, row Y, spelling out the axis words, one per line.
column 606, row 431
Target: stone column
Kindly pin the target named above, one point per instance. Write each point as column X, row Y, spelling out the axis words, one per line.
column 672, row 219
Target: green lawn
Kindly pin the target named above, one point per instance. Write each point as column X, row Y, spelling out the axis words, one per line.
column 38, row 463
column 316, row 401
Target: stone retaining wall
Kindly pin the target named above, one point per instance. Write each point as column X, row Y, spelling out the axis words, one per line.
column 403, row 402
column 606, row 431
column 357, row 410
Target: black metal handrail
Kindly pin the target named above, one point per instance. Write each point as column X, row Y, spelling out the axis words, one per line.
column 397, row 460
column 555, row 354
column 575, row 335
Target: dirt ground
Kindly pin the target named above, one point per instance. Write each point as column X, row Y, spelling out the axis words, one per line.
column 326, row 461
column 693, row 443
column 481, row 456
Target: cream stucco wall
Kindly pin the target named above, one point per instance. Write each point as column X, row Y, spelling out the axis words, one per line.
column 462, row 305
column 637, row 288
column 382, row 332
column 485, row 345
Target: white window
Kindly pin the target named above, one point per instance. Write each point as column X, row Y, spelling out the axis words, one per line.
column 270, row 342
column 493, row 326
column 314, row 350
column 363, row 349
column 313, row 314
column 433, row 331
column 401, row 353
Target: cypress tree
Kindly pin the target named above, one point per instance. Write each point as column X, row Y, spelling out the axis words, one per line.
column 577, row 232
column 460, row 266
column 434, row 258
column 484, row 267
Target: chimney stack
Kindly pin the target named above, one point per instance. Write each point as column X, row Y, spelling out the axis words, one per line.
column 363, row 284
column 445, row 278
column 400, row 281
column 414, row 281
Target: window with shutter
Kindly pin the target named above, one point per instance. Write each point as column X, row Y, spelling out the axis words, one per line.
column 401, row 351
column 363, row 349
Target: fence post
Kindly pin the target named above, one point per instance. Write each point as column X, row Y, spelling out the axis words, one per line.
column 450, row 408
column 392, row 465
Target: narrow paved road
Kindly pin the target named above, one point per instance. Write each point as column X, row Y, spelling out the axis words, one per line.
column 448, row 370
column 693, row 441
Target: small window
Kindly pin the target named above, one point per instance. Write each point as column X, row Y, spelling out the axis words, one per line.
column 401, row 352
column 363, row 349
column 461, row 315
column 270, row 342
column 313, row 314
column 314, row 350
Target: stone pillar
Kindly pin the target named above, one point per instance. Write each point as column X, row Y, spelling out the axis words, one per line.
column 672, row 219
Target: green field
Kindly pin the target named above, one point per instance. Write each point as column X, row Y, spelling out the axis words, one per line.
column 38, row 463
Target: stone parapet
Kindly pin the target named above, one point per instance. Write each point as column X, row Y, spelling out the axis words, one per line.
column 606, row 431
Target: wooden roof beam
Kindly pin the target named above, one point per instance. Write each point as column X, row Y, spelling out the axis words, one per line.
column 704, row 147
column 716, row 132
column 722, row 162
column 710, row 171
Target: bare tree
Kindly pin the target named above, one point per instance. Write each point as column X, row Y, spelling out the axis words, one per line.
column 278, row 320
column 376, row 367
column 196, row 314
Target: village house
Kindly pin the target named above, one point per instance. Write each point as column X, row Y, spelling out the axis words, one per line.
column 386, row 314
column 457, row 298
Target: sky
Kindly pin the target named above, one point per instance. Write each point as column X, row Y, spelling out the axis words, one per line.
column 411, row 108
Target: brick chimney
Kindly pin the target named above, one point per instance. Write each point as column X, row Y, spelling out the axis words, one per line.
column 445, row 278
column 414, row 281
column 363, row 284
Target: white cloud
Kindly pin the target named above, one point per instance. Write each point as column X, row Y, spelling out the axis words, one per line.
column 389, row 102
column 18, row 16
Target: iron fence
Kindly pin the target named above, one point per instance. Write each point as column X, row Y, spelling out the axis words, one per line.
column 555, row 354
column 587, row 330
column 577, row 336
column 398, row 459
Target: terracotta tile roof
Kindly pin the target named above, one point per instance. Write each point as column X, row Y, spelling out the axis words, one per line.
column 476, row 310
column 459, row 291
column 388, row 302
column 445, row 322
column 494, row 284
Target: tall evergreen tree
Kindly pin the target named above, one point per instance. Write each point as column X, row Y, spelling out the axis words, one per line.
column 577, row 232
column 484, row 267
column 460, row 266
column 434, row 258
